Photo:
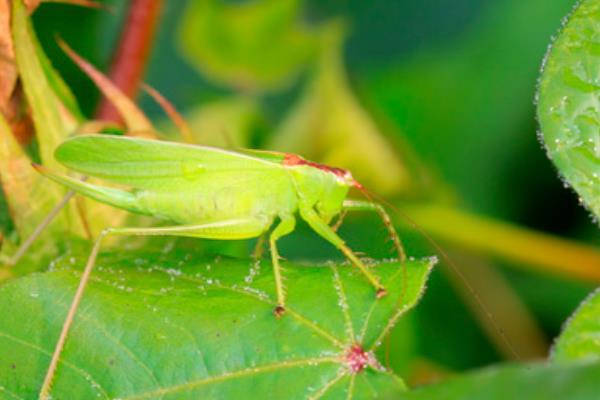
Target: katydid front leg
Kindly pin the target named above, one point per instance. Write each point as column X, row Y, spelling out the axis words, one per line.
column 228, row 229
column 340, row 220
column 358, row 205
column 318, row 225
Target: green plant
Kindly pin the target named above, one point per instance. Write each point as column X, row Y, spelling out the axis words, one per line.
column 170, row 319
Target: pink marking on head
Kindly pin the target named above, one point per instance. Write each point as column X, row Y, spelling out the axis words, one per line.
column 295, row 160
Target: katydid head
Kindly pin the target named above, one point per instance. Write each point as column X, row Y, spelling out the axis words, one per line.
column 342, row 176
column 320, row 185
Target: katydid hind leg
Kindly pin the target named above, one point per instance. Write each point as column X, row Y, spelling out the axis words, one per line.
column 228, row 229
column 320, row 227
column 286, row 226
column 47, row 384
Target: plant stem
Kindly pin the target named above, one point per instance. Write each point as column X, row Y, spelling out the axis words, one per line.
column 529, row 248
column 130, row 57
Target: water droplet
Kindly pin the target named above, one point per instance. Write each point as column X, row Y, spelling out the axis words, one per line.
column 139, row 261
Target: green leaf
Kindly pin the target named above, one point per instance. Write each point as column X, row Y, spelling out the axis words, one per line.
column 568, row 108
column 29, row 199
column 581, row 335
column 6, row 225
column 573, row 381
column 44, row 104
column 168, row 324
column 20, row 183
column 56, row 82
column 256, row 46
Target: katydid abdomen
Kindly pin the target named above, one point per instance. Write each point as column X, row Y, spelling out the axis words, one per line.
column 207, row 200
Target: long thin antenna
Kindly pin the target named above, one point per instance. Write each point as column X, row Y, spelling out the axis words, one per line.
column 456, row 270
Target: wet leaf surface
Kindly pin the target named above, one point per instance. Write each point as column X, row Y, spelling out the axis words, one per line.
column 568, row 108
column 169, row 325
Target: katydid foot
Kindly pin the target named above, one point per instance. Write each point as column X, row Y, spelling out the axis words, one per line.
column 278, row 311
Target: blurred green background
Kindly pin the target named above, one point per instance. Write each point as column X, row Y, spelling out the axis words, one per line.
column 449, row 83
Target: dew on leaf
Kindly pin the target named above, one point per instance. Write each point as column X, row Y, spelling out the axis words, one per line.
column 139, row 261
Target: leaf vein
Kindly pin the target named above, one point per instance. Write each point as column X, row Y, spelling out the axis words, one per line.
column 236, row 374
column 82, row 316
column 79, row 371
column 351, row 387
column 328, row 385
column 297, row 316
column 392, row 321
column 11, row 393
column 339, row 288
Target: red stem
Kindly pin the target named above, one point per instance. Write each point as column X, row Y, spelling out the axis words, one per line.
column 129, row 60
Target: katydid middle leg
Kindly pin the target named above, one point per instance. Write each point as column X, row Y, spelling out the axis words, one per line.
column 287, row 225
column 228, row 229
column 259, row 247
column 318, row 225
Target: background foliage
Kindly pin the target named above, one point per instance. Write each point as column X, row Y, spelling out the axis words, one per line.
column 431, row 104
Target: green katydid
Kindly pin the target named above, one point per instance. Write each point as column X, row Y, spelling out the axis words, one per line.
column 210, row 193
